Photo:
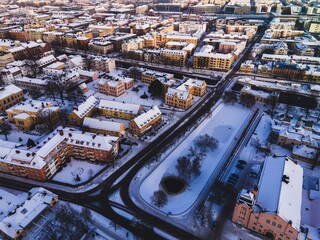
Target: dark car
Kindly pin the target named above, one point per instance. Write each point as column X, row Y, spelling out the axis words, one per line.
column 241, row 164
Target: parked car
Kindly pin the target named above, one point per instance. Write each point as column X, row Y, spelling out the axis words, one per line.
column 241, row 164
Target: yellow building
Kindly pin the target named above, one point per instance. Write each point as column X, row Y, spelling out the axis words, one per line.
column 85, row 109
column 178, row 98
column 119, row 109
column 194, row 86
column 104, row 127
column 100, row 46
column 145, row 121
column 133, row 44
column 9, row 96
column 5, row 58
column 27, row 114
column 213, row 61
column 174, row 57
column 247, row 67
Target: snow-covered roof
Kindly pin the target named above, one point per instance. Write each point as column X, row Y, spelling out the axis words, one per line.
column 147, row 117
column 119, row 106
column 102, row 124
column 304, row 151
column 86, row 106
column 280, row 189
column 181, row 94
column 191, row 83
column 31, row 208
column 9, row 90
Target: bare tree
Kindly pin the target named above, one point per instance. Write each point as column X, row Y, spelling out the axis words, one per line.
column 230, row 97
column 5, row 129
column 248, row 100
column 206, row 142
column 33, row 67
column 159, row 198
column 184, row 167
column 48, row 119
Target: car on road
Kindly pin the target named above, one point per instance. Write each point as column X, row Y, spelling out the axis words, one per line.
column 241, row 164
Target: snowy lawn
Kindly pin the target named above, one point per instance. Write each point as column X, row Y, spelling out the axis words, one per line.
column 223, row 124
column 134, row 97
column 84, row 169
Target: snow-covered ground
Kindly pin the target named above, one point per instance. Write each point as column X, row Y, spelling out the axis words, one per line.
column 222, row 125
column 84, row 169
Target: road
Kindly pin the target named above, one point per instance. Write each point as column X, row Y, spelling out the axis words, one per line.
column 97, row 197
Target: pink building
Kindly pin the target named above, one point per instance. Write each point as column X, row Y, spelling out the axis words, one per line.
column 273, row 208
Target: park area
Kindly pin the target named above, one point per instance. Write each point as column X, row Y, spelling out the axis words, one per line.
column 204, row 150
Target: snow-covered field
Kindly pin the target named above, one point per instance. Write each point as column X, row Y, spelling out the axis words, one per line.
column 84, row 169
column 223, row 124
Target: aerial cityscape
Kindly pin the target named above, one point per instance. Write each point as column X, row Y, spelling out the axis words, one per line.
column 162, row 119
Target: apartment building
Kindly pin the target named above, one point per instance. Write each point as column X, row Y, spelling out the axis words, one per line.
column 209, row 60
column 27, row 114
column 182, row 38
column 133, row 44
column 144, row 122
column 86, row 109
column 100, row 46
column 178, row 98
column 194, row 86
column 148, row 76
column 247, row 67
column 18, row 219
column 173, row 57
column 273, row 209
column 103, row 64
column 122, row 110
column 42, row 163
column 10, row 74
column 110, row 86
column 9, row 96
column 104, row 127
column 31, row 83
column 5, row 58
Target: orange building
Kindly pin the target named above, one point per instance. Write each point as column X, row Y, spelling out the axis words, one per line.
column 42, row 163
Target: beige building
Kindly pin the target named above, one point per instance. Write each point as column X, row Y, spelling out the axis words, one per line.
column 9, row 96
column 133, row 44
column 103, row 64
column 5, row 58
column 100, row 46
column 173, row 57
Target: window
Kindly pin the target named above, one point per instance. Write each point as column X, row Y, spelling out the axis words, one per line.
column 273, row 223
column 279, row 226
column 268, row 221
